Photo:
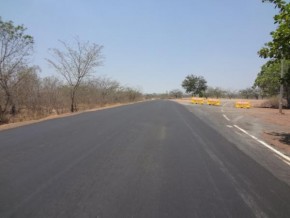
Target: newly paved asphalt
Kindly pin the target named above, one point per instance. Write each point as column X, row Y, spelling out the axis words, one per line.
column 152, row 159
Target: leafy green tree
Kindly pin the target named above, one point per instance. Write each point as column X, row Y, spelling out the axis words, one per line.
column 196, row 85
column 279, row 47
column 15, row 48
column 268, row 80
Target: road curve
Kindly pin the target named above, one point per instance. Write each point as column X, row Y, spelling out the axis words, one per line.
column 151, row 159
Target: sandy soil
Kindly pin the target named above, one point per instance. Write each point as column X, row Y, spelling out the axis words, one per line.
column 279, row 135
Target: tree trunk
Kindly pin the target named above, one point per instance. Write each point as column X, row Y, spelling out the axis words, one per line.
column 9, row 102
column 13, row 110
column 288, row 96
column 72, row 108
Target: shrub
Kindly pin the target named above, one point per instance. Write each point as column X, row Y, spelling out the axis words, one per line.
column 3, row 118
column 272, row 102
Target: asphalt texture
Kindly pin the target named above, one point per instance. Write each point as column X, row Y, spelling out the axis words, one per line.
column 151, row 159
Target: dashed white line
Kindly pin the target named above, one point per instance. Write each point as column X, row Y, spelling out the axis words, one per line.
column 229, row 126
column 266, row 145
column 225, row 116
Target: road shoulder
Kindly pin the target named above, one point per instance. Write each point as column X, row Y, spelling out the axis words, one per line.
column 58, row 116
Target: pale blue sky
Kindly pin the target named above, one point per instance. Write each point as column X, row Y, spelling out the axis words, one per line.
column 154, row 44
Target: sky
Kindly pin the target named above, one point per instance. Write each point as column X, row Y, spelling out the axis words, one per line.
column 154, row 44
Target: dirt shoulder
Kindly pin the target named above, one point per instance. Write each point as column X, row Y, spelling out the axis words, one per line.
column 274, row 127
column 277, row 127
column 19, row 124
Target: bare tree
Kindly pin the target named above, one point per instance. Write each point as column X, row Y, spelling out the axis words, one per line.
column 51, row 94
column 176, row 93
column 15, row 48
column 107, row 87
column 76, row 63
column 26, row 93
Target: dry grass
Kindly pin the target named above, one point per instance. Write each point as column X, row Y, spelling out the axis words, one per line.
column 26, row 120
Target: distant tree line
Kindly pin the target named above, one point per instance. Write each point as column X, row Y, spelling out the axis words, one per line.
column 197, row 86
column 24, row 94
column 274, row 77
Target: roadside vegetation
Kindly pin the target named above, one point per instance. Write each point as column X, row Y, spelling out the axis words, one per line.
column 25, row 94
column 278, row 51
column 272, row 82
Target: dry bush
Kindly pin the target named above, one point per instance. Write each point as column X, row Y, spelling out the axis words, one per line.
column 36, row 97
column 272, row 102
column 3, row 118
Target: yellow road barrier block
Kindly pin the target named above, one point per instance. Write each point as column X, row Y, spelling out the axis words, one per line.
column 243, row 104
column 197, row 101
column 215, row 102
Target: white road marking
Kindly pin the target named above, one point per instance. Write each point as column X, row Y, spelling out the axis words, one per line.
column 225, row 116
column 254, row 137
column 285, row 161
column 229, row 126
column 286, row 158
column 282, row 159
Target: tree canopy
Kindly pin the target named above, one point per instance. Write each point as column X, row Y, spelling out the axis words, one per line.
column 279, row 47
column 269, row 80
column 15, row 48
column 196, row 85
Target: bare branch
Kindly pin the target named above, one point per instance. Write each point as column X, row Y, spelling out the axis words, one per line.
column 76, row 63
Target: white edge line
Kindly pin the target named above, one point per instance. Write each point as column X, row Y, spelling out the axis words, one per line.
column 265, row 144
column 285, row 161
column 225, row 116
column 282, row 159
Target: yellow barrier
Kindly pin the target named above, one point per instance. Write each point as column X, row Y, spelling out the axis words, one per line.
column 243, row 104
column 215, row 102
column 197, row 101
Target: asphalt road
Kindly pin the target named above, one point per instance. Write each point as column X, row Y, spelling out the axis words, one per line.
column 152, row 159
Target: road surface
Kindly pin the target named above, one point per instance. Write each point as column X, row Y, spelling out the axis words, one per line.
column 151, row 159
